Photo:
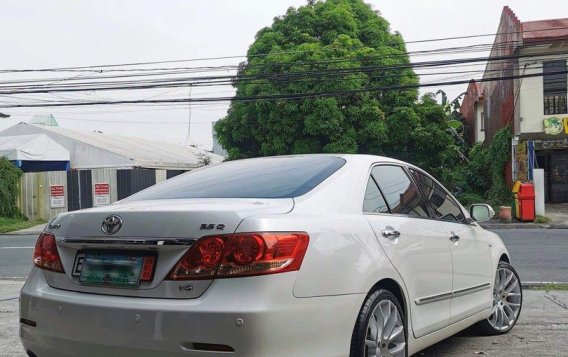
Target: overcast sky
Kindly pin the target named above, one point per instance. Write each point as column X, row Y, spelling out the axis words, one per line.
column 58, row 33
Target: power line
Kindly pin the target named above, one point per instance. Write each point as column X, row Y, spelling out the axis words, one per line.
column 291, row 96
column 235, row 79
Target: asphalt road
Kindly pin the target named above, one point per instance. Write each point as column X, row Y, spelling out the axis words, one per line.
column 16, row 253
column 539, row 255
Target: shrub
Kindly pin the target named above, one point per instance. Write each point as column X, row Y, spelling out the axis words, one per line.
column 9, row 183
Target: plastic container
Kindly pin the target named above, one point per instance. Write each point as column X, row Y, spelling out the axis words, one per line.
column 526, row 198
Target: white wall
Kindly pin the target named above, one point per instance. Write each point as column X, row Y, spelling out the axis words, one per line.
column 479, row 134
column 531, row 95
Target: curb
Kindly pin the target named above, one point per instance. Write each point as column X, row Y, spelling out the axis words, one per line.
column 522, row 226
column 536, row 284
column 17, row 233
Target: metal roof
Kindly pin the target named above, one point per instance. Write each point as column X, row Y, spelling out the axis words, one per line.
column 545, row 29
column 139, row 152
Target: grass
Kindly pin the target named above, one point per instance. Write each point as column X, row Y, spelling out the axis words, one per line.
column 14, row 224
column 542, row 219
column 549, row 287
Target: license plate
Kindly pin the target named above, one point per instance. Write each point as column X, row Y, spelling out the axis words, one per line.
column 116, row 269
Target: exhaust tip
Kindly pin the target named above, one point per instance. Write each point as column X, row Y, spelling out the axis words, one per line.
column 28, row 322
column 207, row 347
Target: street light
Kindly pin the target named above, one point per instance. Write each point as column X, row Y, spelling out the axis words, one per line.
column 2, row 115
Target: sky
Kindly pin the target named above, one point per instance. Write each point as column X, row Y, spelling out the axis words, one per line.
column 61, row 33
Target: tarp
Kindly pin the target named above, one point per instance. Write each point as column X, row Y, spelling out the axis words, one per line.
column 38, row 147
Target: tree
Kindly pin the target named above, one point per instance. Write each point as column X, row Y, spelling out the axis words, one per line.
column 9, row 183
column 333, row 46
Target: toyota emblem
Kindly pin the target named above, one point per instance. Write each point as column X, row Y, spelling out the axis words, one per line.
column 111, row 224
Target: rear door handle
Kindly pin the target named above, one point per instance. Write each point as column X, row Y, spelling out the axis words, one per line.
column 390, row 232
column 454, row 237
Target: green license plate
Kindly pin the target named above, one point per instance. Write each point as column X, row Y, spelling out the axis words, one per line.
column 111, row 269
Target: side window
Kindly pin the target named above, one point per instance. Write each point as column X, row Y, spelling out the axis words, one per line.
column 443, row 205
column 402, row 196
column 374, row 201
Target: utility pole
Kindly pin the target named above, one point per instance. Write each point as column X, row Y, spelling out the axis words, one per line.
column 188, row 135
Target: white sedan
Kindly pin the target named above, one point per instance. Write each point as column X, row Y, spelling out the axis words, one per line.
column 315, row 255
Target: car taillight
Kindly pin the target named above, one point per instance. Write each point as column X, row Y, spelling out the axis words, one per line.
column 241, row 254
column 46, row 255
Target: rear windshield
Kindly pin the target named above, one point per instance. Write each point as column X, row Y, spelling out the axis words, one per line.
column 275, row 177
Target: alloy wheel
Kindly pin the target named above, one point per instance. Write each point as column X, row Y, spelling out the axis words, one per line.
column 506, row 300
column 385, row 335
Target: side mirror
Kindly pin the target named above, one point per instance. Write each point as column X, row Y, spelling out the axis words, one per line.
column 481, row 212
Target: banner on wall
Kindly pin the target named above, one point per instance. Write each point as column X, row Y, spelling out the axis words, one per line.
column 56, row 196
column 521, row 161
column 101, row 193
column 555, row 125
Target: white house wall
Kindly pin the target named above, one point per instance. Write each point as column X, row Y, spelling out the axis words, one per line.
column 531, row 96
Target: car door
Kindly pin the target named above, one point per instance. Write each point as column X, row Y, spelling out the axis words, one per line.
column 471, row 257
column 411, row 240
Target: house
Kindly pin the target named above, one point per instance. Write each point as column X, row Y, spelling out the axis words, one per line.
column 525, row 86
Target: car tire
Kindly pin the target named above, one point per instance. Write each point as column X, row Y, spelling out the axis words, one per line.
column 381, row 325
column 507, row 302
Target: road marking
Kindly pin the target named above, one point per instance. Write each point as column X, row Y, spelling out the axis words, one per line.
column 17, row 247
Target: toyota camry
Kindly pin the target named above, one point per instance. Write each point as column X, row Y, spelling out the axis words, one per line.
column 315, row 255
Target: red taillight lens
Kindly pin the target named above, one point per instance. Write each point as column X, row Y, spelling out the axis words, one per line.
column 241, row 254
column 46, row 255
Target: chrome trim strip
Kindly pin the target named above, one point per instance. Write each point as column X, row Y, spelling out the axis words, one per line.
column 433, row 298
column 472, row 289
column 449, row 295
column 151, row 242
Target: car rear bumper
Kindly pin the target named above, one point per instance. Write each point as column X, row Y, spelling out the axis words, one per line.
column 274, row 323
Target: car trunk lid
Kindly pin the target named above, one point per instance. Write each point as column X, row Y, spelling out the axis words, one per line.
column 163, row 229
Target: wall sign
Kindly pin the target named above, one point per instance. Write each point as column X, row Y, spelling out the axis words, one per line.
column 551, row 144
column 553, row 126
column 101, row 194
column 56, row 196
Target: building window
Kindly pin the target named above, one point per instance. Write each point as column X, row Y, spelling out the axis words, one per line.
column 555, row 86
column 482, row 121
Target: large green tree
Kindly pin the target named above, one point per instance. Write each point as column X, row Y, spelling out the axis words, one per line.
column 333, row 46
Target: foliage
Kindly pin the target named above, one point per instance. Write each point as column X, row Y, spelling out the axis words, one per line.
column 326, row 37
column 467, row 199
column 17, row 223
column 484, row 175
column 9, row 183
column 542, row 219
column 203, row 159
column 499, row 156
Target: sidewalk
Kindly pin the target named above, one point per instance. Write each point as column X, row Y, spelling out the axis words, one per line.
column 557, row 212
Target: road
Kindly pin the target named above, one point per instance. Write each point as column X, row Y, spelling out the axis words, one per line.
column 539, row 255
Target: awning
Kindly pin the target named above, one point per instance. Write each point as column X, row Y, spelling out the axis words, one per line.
column 34, row 152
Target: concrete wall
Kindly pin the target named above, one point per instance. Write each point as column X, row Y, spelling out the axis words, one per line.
column 531, row 96
column 479, row 133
